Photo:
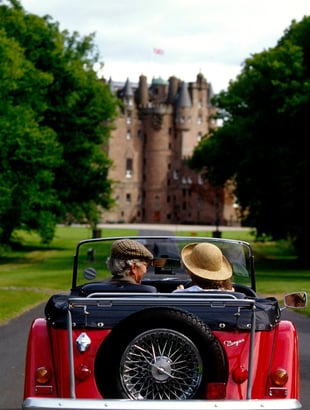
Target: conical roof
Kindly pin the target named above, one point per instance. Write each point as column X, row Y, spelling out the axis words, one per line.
column 127, row 92
column 184, row 99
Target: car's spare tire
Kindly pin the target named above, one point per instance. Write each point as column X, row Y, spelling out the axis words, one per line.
column 160, row 354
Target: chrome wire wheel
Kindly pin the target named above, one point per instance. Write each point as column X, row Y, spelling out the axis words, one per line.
column 161, row 364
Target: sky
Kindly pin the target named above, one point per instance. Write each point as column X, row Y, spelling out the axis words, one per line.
column 190, row 36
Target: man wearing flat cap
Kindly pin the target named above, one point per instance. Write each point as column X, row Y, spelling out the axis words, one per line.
column 207, row 267
column 128, row 264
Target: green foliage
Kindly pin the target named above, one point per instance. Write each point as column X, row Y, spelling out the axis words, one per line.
column 262, row 143
column 55, row 119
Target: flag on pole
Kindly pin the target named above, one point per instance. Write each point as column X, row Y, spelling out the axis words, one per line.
column 158, row 51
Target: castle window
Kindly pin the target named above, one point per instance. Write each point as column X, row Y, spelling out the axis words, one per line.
column 199, row 136
column 128, row 197
column 199, row 120
column 128, row 135
column 128, row 119
column 128, row 167
column 200, row 104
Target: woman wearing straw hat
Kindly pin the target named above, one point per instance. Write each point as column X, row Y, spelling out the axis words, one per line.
column 207, row 266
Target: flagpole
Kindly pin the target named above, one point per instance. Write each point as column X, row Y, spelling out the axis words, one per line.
column 157, row 52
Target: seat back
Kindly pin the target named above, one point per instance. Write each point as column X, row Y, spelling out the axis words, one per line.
column 103, row 287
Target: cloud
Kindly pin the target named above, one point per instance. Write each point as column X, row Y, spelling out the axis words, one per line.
column 213, row 37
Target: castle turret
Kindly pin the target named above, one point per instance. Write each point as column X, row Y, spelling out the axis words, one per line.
column 183, row 108
column 172, row 89
column 127, row 91
column 183, row 100
column 127, row 95
column 142, row 92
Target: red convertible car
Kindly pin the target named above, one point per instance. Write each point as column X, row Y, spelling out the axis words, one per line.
column 106, row 347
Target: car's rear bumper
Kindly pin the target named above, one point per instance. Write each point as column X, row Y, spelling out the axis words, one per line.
column 90, row 404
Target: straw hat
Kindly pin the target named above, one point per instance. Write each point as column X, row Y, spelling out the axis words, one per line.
column 129, row 249
column 206, row 261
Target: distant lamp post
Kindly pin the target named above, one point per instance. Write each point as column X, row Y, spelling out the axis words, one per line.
column 217, row 233
column 237, row 212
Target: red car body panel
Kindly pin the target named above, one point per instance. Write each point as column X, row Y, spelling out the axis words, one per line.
column 273, row 349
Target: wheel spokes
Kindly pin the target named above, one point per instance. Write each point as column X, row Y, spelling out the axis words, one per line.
column 161, row 364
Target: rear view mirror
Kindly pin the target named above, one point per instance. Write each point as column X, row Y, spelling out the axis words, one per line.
column 166, row 265
column 295, row 300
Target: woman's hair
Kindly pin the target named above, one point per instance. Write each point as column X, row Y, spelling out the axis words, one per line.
column 121, row 267
column 211, row 283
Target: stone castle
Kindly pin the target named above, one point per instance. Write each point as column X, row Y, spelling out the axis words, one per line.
column 156, row 131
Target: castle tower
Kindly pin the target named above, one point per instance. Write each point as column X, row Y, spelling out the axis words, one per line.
column 157, row 126
column 142, row 92
column 172, row 90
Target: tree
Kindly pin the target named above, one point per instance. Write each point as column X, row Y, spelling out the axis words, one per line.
column 28, row 151
column 56, row 118
column 262, row 143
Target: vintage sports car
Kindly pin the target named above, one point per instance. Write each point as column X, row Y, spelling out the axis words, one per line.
column 102, row 346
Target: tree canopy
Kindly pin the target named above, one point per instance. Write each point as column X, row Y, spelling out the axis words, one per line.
column 262, row 143
column 55, row 120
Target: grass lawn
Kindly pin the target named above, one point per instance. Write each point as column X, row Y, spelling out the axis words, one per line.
column 31, row 272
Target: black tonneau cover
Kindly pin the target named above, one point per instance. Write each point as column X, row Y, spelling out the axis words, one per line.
column 219, row 310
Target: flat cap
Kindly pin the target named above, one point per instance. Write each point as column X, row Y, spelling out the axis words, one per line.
column 129, row 249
